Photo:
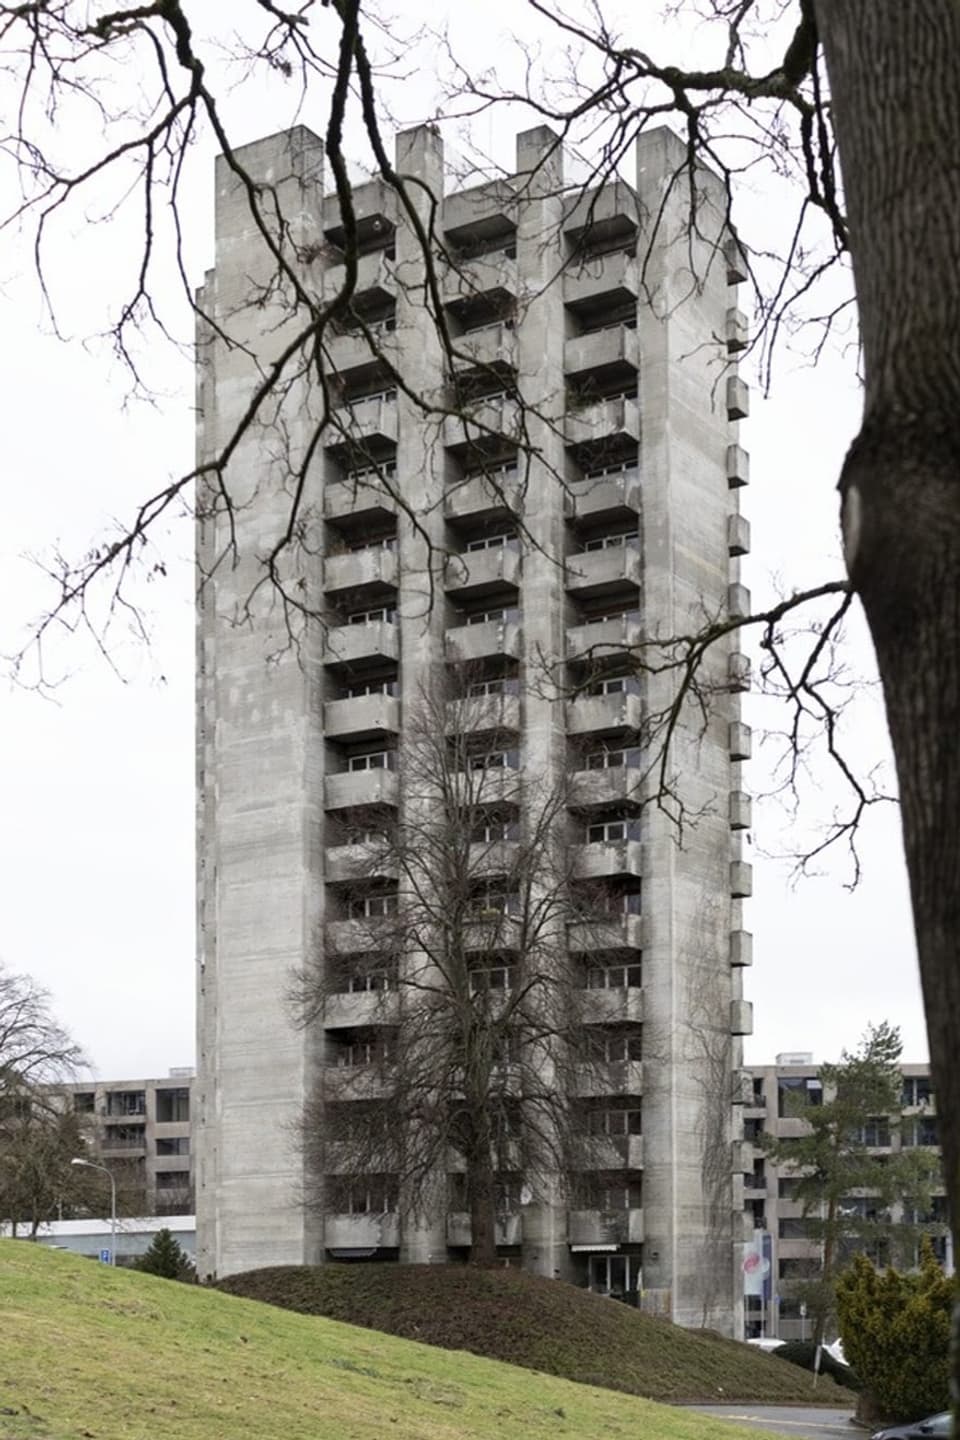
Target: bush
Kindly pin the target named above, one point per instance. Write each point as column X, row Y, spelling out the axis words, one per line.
column 167, row 1259
column 803, row 1353
column 896, row 1334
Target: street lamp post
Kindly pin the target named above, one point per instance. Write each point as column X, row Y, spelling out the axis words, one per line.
column 89, row 1165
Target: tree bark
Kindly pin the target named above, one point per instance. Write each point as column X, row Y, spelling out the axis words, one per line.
column 481, row 1198
column 894, row 72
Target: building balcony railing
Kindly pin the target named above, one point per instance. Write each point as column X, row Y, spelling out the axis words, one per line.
column 374, row 279
column 352, row 351
column 352, row 788
column 492, row 857
column 493, row 787
column 356, row 1082
column 494, row 344
column 589, row 714
column 369, row 419
column 346, row 1011
column 606, row 933
column 613, row 1152
column 484, row 275
column 350, row 645
column 355, row 568
column 604, row 638
column 508, row 1229
column 596, row 570
column 613, row 274
column 622, row 1077
column 593, row 789
column 613, row 492
column 606, row 420
column 361, row 1232
column 364, row 493
column 467, row 643
column 615, row 1005
column 342, row 863
column 361, row 717
column 605, row 1227
column 485, row 422
column 615, row 345
column 608, row 858
column 479, row 570
column 476, row 713
column 354, row 937
column 481, row 496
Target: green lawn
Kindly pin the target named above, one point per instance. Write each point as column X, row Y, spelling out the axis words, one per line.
column 90, row 1353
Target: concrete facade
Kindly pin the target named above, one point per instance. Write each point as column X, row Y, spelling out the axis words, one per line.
column 558, row 530
column 141, row 1130
column 769, row 1208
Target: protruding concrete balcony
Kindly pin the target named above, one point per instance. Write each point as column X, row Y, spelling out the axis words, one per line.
column 366, row 494
column 591, row 789
column 589, row 714
column 361, row 1232
column 476, row 571
column 352, row 645
column 738, row 672
column 740, row 810
column 597, row 495
column 618, row 932
column 346, row 1011
column 486, row 421
column 604, row 637
column 375, row 278
column 613, row 1152
column 485, row 275
column 508, row 1230
column 482, row 495
column 614, row 274
column 617, row 345
column 476, row 713
column 741, row 880
column 492, row 858
column 352, row 788
column 742, row 1087
column 361, row 717
column 607, row 858
column 738, row 601
column 741, row 1017
column 605, row 1227
column 623, row 1077
column 607, row 420
column 736, row 261
column 738, row 535
column 738, row 331
column 738, row 398
column 356, row 1082
column 353, row 351
column 741, row 1159
column 741, row 947
column 356, row 568
column 352, row 937
column 590, row 571
column 738, row 467
column 373, row 419
column 358, row 862
column 613, row 1006
column 490, row 345
column 467, row 643
column 741, row 741
column 494, row 787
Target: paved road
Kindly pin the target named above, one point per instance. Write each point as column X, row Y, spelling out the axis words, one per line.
column 790, row 1420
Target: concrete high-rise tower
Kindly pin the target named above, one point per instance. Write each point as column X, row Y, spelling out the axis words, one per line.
column 595, row 504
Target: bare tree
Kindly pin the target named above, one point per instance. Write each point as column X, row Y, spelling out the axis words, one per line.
column 35, row 1049
column 38, row 1140
column 454, row 930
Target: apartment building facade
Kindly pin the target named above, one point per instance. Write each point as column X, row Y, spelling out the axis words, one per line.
column 779, row 1093
column 140, row 1130
column 510, row 521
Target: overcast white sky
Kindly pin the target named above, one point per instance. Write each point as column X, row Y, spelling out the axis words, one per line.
column 96, row 786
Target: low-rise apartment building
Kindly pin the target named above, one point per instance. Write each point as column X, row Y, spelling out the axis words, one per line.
column 769, row 1190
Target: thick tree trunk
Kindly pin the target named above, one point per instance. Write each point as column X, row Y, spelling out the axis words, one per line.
column 895, row 80
column 481, row 1190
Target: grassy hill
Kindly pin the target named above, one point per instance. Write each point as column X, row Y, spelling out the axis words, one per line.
column 541, row 1324
column 90, row 1353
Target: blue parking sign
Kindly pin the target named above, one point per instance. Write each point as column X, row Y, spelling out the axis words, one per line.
column 105, row 1257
